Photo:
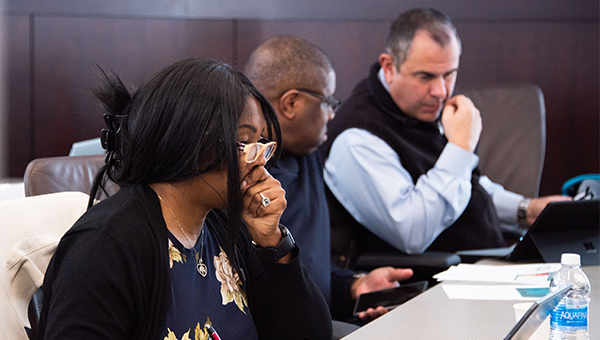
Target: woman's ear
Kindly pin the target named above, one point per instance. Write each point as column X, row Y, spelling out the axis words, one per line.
column 288, row 104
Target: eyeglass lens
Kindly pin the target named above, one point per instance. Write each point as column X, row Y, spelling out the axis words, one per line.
column 253, row 151
column 334, row 103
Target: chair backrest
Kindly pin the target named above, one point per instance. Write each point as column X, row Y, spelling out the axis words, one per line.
column 31, row 229
column 513, row 141
column 56, row 174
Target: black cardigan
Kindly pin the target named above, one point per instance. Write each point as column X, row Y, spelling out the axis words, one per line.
column 109, row 278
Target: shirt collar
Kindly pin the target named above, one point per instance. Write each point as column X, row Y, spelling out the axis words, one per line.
column 381, row 77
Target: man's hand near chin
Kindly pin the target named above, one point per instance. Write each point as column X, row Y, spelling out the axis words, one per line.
column 461, row 122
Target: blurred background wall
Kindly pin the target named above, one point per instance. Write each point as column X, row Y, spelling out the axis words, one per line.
column 52, row 47
column 3, row 105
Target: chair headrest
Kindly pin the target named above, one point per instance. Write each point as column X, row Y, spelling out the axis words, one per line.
column 57, row 174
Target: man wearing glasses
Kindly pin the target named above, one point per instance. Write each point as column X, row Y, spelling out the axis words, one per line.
column 400, row 160
column 298, row 80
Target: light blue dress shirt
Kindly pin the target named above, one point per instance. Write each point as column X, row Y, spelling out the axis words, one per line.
column 367, row 177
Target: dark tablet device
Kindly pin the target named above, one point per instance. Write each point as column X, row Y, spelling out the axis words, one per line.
column 562, row 227
column 536, row 314
column 389, row 298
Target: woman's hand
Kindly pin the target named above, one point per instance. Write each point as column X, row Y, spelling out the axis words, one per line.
column 263, row 221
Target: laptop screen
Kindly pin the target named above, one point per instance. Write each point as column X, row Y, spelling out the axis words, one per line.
column 536, row 314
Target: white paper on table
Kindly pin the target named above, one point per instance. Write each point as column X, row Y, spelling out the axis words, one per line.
column 494, row 292
column 536, row 274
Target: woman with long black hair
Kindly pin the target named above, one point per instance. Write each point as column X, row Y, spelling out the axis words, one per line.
column 191, row 244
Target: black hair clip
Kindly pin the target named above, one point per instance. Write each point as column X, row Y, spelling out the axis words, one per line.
column 109, row 138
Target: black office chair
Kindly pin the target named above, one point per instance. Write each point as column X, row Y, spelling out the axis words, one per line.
column 512, row 145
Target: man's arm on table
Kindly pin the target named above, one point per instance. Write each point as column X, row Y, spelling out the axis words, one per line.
column 507, row 203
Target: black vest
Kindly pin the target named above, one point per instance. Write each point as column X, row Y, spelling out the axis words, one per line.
column 419, row 145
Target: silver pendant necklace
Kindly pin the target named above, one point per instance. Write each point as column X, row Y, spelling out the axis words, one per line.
column 200, row 266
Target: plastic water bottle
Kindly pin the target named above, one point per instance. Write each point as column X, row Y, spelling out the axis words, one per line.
column 569, row 320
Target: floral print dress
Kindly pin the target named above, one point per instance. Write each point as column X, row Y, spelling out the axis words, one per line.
column 218, row 299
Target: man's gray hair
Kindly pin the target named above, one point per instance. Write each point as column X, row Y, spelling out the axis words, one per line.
column 403, row 30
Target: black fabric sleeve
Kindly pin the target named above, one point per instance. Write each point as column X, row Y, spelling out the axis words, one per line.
column 109, row 277
column 88, row 290
column 286, row 304
column 342, row 303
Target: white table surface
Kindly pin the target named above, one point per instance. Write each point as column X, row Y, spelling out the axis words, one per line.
column 432, row 315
